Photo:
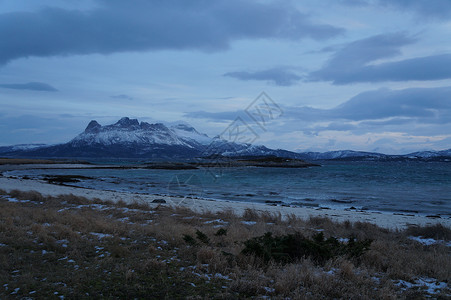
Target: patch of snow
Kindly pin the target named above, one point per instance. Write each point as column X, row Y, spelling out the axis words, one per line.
column 125, row 220
column 332, row 271
column 3, row 245
column 216, row 221
column 100, row 235
column 343, row 240
column 431, row 285
column 268, row 289
column 63, row 243
column 220, row 276
column 248, row 222
column 429, row 241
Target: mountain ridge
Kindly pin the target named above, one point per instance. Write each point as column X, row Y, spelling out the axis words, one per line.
column 129, row 138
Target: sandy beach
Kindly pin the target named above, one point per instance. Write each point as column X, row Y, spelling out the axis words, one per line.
column 386, row 220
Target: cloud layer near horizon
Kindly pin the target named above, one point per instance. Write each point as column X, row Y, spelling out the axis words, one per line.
column 117, row 26
column 378, row 107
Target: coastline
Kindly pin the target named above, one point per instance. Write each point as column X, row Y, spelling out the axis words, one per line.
column 385, row 220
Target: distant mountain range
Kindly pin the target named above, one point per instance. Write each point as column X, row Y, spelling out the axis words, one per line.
column 128, row 138
column 444, row 155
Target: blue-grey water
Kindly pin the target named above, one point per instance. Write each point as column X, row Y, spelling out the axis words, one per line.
column 411, row 187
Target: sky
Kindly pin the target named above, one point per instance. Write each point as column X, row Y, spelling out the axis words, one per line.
column 368, row 75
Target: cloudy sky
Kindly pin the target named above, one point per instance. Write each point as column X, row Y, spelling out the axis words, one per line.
column 370, row 75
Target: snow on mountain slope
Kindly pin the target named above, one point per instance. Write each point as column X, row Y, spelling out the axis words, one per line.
column 430, row 154
column 128, row 131
column 339, row 154
column 189, row 134
column 128, row 138
column 20, row 147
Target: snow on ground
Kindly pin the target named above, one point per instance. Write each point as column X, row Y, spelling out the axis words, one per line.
column 100, row 235
column 431, row 285
column 248, row 222
column 219, row 221
column 429, row 241
column 14, row 200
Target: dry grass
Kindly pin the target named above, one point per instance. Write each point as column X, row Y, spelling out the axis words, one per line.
column 74, row 247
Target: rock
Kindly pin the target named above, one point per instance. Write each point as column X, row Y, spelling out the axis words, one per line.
column 434, row 217
column 159, row 201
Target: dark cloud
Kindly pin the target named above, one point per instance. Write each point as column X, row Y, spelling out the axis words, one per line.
column 435, row 9
column 424, row 105
column 418, row 111
column 427, row 105
column 279, row 76
column 118, row 26
column 434, row 67
column 122, row 97
column 352, row 63
column 33, row 86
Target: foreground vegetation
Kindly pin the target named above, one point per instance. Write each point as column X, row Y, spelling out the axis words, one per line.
column 72, row 247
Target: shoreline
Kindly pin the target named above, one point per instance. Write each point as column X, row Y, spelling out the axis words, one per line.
column 385, row 220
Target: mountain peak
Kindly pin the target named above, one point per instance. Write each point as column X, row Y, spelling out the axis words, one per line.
column 93, row 127
column 127, row 122
column 185, row 127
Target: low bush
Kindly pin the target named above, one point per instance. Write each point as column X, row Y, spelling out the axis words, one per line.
column 291, row 247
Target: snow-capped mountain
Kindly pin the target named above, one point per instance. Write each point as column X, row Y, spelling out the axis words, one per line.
column 190, row 135
column 431, row 154
column 444, row 155
column 128, row 138
column 20, row 147
column 341, row 154
column 128, row 132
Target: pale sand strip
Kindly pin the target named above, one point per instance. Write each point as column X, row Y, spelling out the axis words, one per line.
column 382, row 219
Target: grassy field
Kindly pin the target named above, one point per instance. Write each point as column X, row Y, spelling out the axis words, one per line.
column 71, row 247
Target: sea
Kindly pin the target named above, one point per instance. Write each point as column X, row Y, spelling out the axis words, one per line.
column 414, row 187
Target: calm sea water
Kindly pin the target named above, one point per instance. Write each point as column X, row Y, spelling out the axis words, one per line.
column 413, row 187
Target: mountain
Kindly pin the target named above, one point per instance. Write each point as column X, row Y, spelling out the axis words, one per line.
column 341, row 154
column 20, row 147
column 128, row 138
column 431, row 154
column 350, row 155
